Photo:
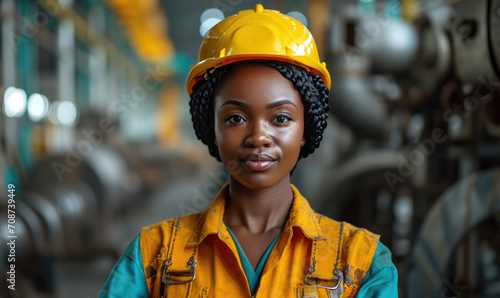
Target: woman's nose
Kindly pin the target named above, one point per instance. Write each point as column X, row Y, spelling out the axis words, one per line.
column 259, row 135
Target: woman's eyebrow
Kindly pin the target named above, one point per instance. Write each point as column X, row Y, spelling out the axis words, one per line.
column 268, row 106
column 280, row 103
column 236, row 103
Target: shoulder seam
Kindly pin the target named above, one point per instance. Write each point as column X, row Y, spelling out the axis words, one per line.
column 141, row 270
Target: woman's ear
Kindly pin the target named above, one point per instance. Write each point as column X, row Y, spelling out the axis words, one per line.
column 302, row 142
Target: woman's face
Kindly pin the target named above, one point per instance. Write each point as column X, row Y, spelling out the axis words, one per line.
column 259, row 125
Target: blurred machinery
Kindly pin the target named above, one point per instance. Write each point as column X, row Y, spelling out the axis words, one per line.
column 423, row 100
column 415, row 90
column 68, row 215
column 74, row 184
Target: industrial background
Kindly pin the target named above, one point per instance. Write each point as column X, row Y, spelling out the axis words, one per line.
column 96, row 139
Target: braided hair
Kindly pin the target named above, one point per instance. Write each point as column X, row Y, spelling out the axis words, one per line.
column 310, row 86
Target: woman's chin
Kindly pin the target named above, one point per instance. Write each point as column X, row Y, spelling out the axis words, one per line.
column 259, row 180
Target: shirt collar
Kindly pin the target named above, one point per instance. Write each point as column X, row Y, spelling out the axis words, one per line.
column 211, row 219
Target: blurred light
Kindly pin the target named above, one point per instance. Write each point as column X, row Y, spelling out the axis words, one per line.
column 415, row 127
column 211, row 13
column 403, row 209
column 64, row 113
column 14, row 101
column 208, row 24
column 455, row 127
column 38, row 106
column 298, row 16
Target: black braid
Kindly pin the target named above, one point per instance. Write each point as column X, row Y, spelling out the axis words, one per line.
column 202, row 109
column 309, row 85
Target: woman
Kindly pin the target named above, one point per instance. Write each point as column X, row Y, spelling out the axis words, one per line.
column 259, row 101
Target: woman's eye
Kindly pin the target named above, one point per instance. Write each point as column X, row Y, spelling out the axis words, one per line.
column 235, row 119
column 282, row 119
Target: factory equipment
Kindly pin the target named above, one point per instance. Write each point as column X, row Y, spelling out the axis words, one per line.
column 457, row 249
column 424, row 106
column 68, row 214
column 418, row 99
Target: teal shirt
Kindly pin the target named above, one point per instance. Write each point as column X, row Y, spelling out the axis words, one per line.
column 253, row 276
column 127, row 277
column 381, row 279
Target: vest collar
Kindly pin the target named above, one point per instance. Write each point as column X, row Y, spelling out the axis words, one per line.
column 211, row 219
column 304, row 217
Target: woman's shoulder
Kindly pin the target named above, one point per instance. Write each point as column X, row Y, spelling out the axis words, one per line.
column 347, row 230
column 353, row 241
column 161, row 231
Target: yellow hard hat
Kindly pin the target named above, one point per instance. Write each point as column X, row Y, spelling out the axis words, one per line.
column 258, row 34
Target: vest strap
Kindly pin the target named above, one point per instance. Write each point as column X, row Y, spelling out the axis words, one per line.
column 179, row 267
column 325, row 265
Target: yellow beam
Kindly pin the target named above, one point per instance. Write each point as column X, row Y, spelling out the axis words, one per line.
column 146, row 27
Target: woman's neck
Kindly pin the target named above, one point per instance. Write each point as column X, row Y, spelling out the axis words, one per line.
column 258, row 210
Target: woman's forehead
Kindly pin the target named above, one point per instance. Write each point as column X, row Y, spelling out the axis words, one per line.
column 256, row 82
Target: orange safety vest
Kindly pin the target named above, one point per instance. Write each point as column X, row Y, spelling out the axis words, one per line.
column 195, row 256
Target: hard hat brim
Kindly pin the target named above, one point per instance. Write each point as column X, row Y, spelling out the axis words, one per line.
column 198, row 71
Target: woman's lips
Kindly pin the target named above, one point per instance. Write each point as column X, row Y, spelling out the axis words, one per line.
column 259, row 165
column 258, row 162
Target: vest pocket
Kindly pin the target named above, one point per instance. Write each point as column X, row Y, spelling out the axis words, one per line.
column 305, row 291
